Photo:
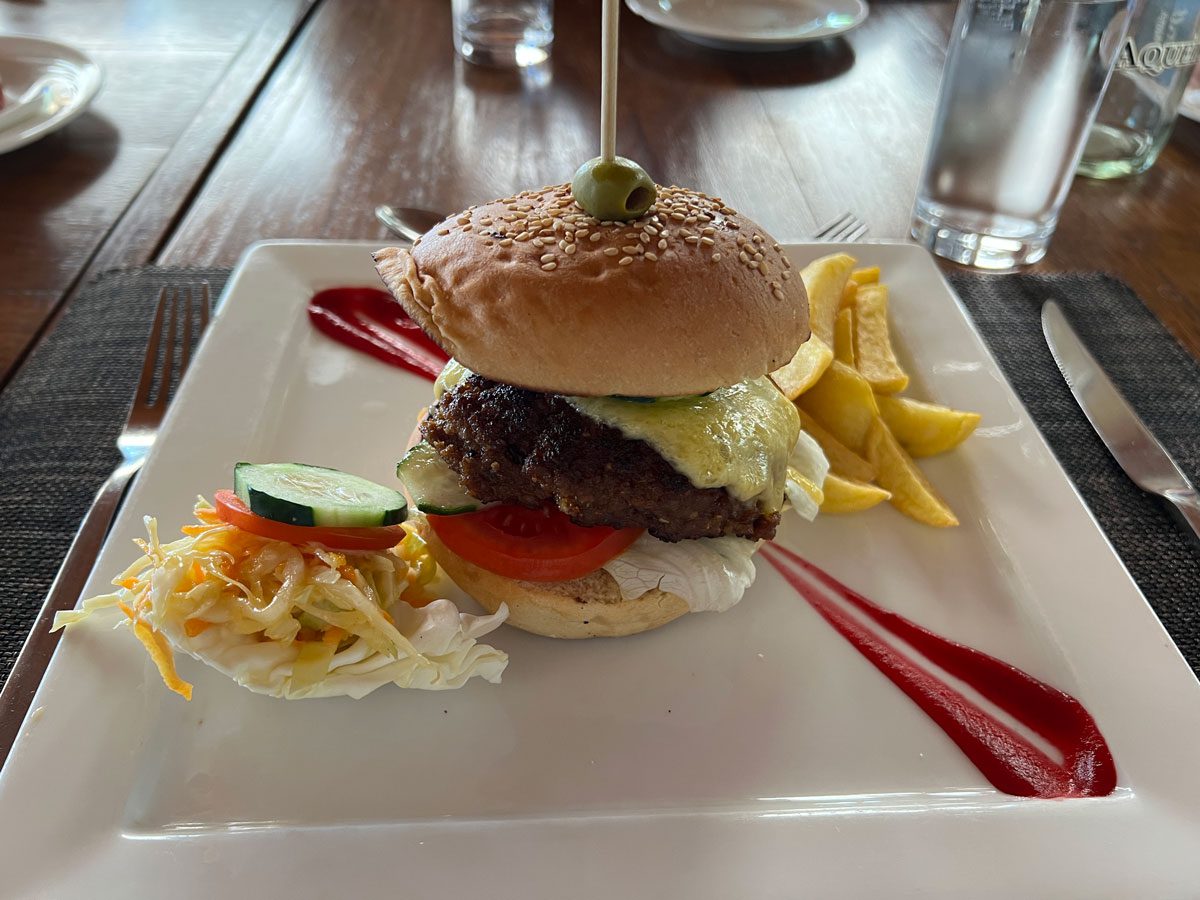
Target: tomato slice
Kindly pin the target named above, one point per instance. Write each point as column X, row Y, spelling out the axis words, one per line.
column 531, row 544
column 231, row 509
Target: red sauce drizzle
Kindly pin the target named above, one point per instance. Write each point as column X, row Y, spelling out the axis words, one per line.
column 1007, row 759
column 373, row 322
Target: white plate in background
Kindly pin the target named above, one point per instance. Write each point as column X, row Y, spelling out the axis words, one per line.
column 67, row 79
column 753, row 24
column 752, row 753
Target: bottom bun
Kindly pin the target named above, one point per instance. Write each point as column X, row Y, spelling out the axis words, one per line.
column 585, row 607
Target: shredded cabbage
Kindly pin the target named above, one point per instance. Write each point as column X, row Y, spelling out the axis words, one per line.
column 807, row 468
column 710, row 574
column 296, row 621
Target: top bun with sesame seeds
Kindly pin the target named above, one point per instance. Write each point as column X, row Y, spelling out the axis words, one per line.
column 534, row 292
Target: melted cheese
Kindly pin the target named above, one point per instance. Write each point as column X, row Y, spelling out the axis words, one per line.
column 737, row 437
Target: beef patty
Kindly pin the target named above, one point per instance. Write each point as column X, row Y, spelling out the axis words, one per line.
column 511, row 445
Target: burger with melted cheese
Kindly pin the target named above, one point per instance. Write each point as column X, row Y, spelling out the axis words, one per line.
column 605, row 450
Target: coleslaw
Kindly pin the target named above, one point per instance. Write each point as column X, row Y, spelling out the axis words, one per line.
column 295, row 621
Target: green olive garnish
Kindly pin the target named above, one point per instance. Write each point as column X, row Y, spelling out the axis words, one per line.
column 613, row 190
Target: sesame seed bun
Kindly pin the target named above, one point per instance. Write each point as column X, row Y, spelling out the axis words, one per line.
column 585, row 607
column 534, row 292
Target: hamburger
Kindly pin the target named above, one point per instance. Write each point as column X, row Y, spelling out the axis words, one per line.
column 605, row 449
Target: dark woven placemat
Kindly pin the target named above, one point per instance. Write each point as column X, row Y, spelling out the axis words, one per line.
column 59, row 421
column 60, row 416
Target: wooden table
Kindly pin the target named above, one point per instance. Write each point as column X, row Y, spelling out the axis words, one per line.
column 369, row 104
column 104, row 191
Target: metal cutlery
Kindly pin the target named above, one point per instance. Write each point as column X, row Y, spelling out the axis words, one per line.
column 1131, row 443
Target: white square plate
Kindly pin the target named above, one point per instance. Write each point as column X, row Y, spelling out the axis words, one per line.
column 751, row 753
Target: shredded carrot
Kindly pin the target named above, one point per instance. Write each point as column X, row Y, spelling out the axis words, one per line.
column 334, row 635
column 193, row 627
column 387, row 615
column 129, row 583
column 196, row 572
column 194, row 530
column 156, row 645
column 125, row 609
column 208, row 516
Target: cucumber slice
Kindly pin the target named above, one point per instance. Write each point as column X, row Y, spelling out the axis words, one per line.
column 313, row 495
column 434, row 486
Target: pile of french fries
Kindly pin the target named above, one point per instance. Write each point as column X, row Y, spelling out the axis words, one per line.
column 845, row 380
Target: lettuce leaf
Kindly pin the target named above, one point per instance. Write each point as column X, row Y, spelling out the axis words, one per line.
column 711, row 574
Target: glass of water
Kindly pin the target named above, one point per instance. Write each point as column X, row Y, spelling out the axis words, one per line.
column 1142, row 100
column 503, row 32
column 1022, row 82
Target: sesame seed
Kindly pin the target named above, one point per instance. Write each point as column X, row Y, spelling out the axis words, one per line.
column 611, row 251
column 549, row 267
column 685, row 232
column 650, row 230
column 463, row 220
column 537, row 242
column 786, row 275
column 653, row 257
column 523, row 236
column 595, row 237
column 762, row 266
column 571, row 248
column 778, row 294
column 707, row 241
column 562, row 245
column 625, row 260
column 743, row 257
column 662, row 244
column 644, row 238
column 507, row 242
column 678, row 216
column 709, row 231
column 466, row 228
column 629, row 248
column 443, row 231
column 692, row 239
column 777, row 248
column 787, row 263
column 758, row 239
column 758, row 257
column 716, row 257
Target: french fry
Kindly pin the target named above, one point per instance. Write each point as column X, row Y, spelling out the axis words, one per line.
column 843, row 402
column 847, row 495
column 843, row 337
column 849, row 295
column 808, row 365
column 873, row 352
column 925, row 429
column 842, row 460
column 911, row 493
column 869, row 275
column 824, row 279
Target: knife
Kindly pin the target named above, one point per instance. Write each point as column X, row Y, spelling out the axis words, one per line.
column 1138, row 452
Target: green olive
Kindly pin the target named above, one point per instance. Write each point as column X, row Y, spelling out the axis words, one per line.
column 614, row 190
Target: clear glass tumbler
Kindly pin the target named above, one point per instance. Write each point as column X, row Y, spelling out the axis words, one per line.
column 1021, row 86
column 1142, row 101
column 503, row 32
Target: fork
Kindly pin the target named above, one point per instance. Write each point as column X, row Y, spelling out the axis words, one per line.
column 846, row 228
column 141, row 427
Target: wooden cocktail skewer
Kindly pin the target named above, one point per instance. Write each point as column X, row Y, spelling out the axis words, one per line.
column 608, row 82
column 610, row 187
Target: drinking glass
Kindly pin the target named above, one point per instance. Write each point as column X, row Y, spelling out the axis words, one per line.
column 1021, row 86
column 1142, row 101
column 503, row 32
